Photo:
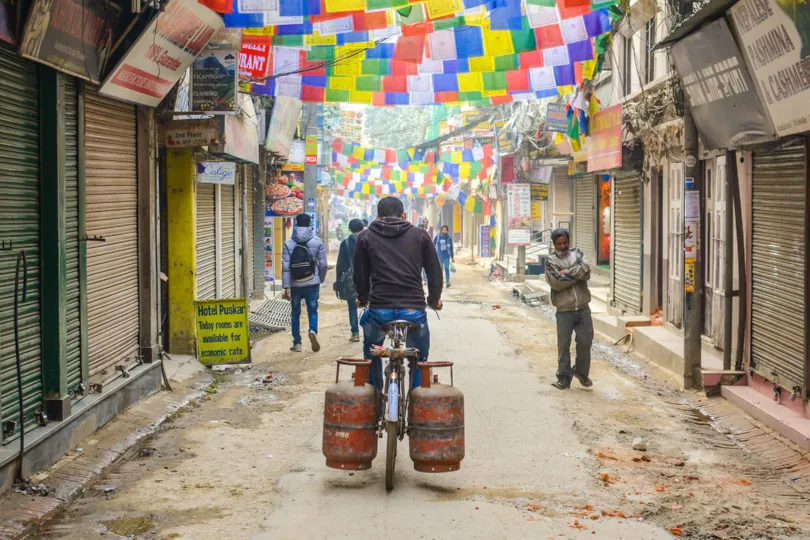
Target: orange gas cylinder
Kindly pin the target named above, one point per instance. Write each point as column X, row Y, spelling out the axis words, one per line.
column 436, row 434
column 350, row 420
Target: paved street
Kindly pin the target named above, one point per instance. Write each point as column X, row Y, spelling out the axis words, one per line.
column 540, row 463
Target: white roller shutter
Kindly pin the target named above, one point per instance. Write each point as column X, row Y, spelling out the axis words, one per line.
column 228, row 241
column 627, row 242
column 778, row 317
column 247, row 243
column 585, row 199
column 206, row 242
column 112, row 214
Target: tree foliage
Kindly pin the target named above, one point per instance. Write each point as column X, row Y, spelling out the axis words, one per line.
column 396, row 127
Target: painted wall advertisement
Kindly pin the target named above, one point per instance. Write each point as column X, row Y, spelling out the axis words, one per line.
column 214, row 82
column 775, row 38
column 284, row 195
column 605, row 142
column 222, row 331
column 190, row 133
column 216, row 172
column 163, row 53
column 72, row 36
column 269, row 268
column 485, row 242
column 519, row 208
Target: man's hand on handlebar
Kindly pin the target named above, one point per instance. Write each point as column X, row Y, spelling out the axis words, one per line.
column 360, row 304
column 438, row 306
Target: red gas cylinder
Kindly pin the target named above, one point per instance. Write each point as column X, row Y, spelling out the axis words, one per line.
column 436, row 425
column 350, row 420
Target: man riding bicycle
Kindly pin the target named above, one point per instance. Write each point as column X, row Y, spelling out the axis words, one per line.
column 391, row 254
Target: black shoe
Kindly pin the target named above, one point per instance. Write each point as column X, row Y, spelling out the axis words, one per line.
column 559, row 385
column 584, row 381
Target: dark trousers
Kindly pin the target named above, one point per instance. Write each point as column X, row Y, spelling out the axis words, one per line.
column 353, row 320
column 310, row 297
column 578, row 322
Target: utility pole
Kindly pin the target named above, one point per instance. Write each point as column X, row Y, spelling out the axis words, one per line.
column 693, row 274
column 310, row 117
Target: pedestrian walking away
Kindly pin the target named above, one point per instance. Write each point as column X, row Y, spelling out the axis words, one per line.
column 392, row 253
column 444, row 247
column 303, row 265
column 567, row 273
column 344, row 276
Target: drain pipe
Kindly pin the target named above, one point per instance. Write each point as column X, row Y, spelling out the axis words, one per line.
column 20, row 261
column 742, row 286
column 728, row 275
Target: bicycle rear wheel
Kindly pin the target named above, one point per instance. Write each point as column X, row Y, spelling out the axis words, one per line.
column 392, row 430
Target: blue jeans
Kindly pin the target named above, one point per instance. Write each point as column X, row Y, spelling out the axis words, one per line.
column 353, row 316
column 373, row 321
column 444, row 259
column 309, row 295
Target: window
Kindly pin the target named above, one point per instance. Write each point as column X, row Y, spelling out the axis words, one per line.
column 627, row 65
column 649, row 43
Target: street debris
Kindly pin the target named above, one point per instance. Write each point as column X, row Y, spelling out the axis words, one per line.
column 645, row 458
column 639, row 444
column 36, row 490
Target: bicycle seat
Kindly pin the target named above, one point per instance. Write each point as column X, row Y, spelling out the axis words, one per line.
column 401, row 325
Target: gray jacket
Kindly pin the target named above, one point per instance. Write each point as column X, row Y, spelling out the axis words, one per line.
column 316, row 249
column 569, row 290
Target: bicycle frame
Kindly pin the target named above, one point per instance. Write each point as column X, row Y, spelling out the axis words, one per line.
column 394, row 373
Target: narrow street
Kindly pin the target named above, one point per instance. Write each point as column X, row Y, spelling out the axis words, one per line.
column 540, row 463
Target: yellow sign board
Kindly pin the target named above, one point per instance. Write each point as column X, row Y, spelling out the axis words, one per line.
column 223, row 334
column 539, row 192
column 537, row 211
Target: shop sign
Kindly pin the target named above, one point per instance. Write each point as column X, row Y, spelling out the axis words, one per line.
column 284, row 195
column 216, row 172
column 775, row 39
column 241, row 138
column 222, row 331
column 539, row 192
column 190, row 133
column 542, row 174
column 485, row 242
column 722, row 96
column 163, row 53
column 214, row 82
column 8, row 21
column 537, row 210
column 269, row 268
column 556, row 119
column 311, row 150
column 519, row 201
column 253, row 58
column 605, row 142
column 519, row 237
column 73, row 37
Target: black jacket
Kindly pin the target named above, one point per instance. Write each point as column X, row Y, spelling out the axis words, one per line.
column 345, row 255
column 391, row 253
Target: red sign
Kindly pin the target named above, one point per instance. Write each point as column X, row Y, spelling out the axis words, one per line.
column 605, row 141
column 253, row 57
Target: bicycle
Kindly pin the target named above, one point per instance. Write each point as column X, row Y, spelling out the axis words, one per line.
column 393, row 421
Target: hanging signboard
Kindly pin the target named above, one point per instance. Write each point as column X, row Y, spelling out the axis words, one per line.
column 718, row 85
column 539, row 192
column 485, row 241
column 222, row 331
column 216, row 172
column 537, row 210
column 519, row 208
column 311, row 150
column 190, row 133
column 253, row 57
column 8, row 21
column 162, row 53
column 282, row 125
column 284, row 195
column 298, row 152
column 556, row 119
column 519, row 237
column 214, row 82
column 269, row 268
column 605, row 142
column 542, row 175
column 75, row 37
column 775, row 39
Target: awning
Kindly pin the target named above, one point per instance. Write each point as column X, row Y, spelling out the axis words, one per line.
column 708, row 13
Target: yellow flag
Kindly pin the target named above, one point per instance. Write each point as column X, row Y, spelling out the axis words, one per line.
column 558, row 138
column 316, row 39
column 470, row 204
column 565, row 90
column 469, row 82
column 456, row 157
column 358, row 96
column 464, row 170
column 339, row 6
column 358, row 152
column 482, row 64
column 588, row 67
column 593, row 106
column 498, row 42
column 442, row 8
column 341, row 83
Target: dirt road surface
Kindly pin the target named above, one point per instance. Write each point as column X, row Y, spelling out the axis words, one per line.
column 245, row 461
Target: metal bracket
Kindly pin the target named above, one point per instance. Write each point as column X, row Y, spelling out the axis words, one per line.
column 9, row 428
column 123, row 370
column 96, row 388
column 94, row 238
column 7, row 245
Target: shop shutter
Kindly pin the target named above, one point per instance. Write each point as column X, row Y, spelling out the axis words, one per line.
column 20, row 225
column 206, row 242
column 228, row 241
column 562, row 198
column 584, row 217
column 72, row 242
column 247, row 244
column 778, row 266
column 111, row 213
column 627, row 242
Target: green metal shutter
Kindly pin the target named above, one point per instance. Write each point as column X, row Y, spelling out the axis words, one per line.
column 247, row 243
column 228, row 241
column 778, row 319
column 627, row 242
column 206, row 242
column 19, row 224
column 73, row 308
column 111, row 175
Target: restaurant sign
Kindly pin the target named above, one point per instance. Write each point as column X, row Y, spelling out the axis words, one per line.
column 73, row 37
column 191, row 133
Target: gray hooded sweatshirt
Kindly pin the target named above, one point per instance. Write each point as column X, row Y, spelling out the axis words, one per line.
column 317, row 251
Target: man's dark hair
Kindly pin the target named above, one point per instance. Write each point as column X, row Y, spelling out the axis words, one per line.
column 355, row 225
column 445, row 227
column 390, row 207
column 557, row 233
column 365, row 223
column 303, row 220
